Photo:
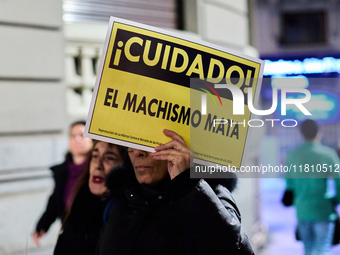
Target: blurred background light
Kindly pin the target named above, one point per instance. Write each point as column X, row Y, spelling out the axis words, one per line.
column 281, row 82
column 306, row 66
column 324, row 107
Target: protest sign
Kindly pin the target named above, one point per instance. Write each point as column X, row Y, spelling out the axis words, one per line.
column 147, row 82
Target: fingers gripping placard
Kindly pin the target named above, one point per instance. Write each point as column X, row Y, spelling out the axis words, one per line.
column 144, row 86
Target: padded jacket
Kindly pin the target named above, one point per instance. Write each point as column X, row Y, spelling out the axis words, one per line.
column 82, row 226
column 179, row 216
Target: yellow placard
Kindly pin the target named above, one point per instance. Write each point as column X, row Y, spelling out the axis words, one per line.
column 145, row 85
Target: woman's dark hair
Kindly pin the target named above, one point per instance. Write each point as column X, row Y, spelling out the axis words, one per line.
column 78, row 122
column 84, row 177
column 309, row 129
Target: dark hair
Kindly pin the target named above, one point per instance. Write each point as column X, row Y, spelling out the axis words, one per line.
column 86, row 174
column 78, row 122
column 84, row 178
column 309, row 129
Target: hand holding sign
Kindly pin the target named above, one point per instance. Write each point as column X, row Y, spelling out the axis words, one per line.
column 176, row 152
column 150, row 79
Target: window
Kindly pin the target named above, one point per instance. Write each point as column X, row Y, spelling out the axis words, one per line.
column 303, row 28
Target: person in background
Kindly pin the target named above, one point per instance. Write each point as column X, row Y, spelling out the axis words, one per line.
column 314, row 206
column 163, row 211
column 82, row 224
column 65, row 176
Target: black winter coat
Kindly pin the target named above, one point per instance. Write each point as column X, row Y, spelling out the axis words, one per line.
column 181, row 216
column 82, row 227
column 55, row 206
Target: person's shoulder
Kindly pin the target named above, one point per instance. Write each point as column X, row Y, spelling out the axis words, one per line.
column 62, row 166
column 222, row 189
column 230, row 182
column 297, row 149
column 327, row 152
column 325, row 148
column 291, row 154
column 59, row 167
column 60, row 172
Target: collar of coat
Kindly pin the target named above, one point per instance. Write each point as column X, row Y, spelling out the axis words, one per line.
column 122, row 177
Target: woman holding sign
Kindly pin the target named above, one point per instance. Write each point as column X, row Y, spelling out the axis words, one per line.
column 163, row 211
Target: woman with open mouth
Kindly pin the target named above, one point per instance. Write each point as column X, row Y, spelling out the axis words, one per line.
column 82, row 224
